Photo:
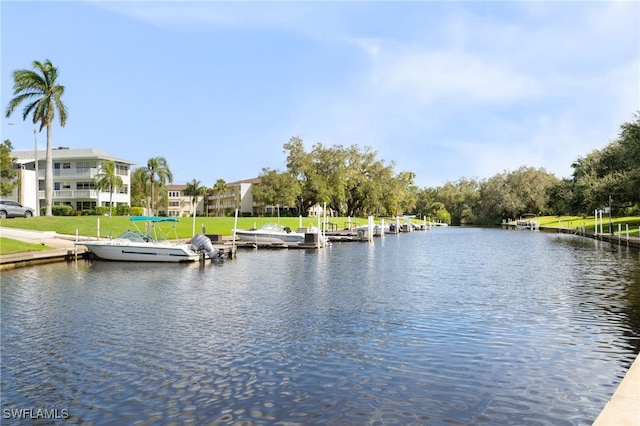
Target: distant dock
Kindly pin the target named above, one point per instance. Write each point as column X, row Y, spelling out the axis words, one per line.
column 619, row 238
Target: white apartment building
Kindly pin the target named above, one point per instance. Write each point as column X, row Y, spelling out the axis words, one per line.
column 74, row 174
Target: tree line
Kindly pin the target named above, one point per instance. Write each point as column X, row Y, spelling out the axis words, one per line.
column 351, row 181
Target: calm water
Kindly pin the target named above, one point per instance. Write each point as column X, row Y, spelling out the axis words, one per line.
column 453, row 326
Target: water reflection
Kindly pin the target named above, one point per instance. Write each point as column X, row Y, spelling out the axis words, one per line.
column 453, row 326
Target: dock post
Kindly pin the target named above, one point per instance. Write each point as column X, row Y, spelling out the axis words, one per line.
column 235, row 226
column 320, row 229
column 627, row 229
column 619, row 232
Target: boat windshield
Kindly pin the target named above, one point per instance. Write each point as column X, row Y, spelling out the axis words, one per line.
column 133, row 236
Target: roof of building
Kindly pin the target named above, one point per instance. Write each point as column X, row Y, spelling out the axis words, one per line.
column 176, row 187
column 252, row 180
column 64, row 153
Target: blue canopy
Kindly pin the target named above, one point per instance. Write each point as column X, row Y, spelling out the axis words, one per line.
column 152, row 219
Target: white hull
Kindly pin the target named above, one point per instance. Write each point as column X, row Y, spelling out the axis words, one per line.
column 259, row 236
column 125, row 250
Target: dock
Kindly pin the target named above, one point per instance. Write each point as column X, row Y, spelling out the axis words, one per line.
column 623, row 409
column 619, row 238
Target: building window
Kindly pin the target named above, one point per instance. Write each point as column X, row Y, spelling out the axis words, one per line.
column 85, row 166
column 174, row 213
column 122, row 169
column 85, row 205
column 174, row 194
column 124, row 189
column 85, row 185
column 174, row 203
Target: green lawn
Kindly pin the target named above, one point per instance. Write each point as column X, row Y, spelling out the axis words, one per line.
column 88, row 225
column 9, row 246
column 589, row 223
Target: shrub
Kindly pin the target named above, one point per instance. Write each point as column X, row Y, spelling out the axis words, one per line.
column 135, row 211
column 632, row 211
column 122, row 210
column 101, row 211
column 61, row 210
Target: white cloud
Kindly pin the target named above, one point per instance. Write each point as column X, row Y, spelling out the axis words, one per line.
column 458, row 77
column 305, row 18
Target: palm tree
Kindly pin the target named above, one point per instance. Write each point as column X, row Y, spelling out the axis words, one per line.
column 41, row 85
column 159, row 174
column 194, row 190
column 219, row 188
column 140, row 187
column 108, row 179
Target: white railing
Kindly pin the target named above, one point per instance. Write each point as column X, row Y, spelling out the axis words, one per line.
column 71, row 193
column 70, row 173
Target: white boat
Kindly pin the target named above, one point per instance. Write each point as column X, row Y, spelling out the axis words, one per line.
column 527, row 223
column 269, row 233
column 378, row 229
column 136, row 246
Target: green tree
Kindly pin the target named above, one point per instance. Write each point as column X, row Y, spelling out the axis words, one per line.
column 511, row 194
column 43, row 95
column 351, row 180
column 629, row 138
column 7, row 173
column 276, row 188
column 140, row 188
column 300, row 166
column 108, row 179
column 194, row 190
column 425, row 199
column 159, row 175
column 218, row 188
column 460, row 198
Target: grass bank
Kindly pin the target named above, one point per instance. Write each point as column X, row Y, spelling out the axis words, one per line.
column 88, row 225
column 9, row 246
column 589, row 223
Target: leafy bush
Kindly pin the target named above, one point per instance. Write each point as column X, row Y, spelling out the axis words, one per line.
column 101, row 211
column 135, row 211
column 632, row 211
column 61, row 210
column 123, row 210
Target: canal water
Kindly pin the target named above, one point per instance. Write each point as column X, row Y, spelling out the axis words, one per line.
column 451, row 326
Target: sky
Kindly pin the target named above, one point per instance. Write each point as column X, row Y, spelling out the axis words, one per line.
column 446, row 90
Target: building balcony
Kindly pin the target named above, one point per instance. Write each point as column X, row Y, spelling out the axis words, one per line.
column 72, row 193
column 70, row 173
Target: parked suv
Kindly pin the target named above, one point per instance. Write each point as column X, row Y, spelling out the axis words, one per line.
column 9, row 208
